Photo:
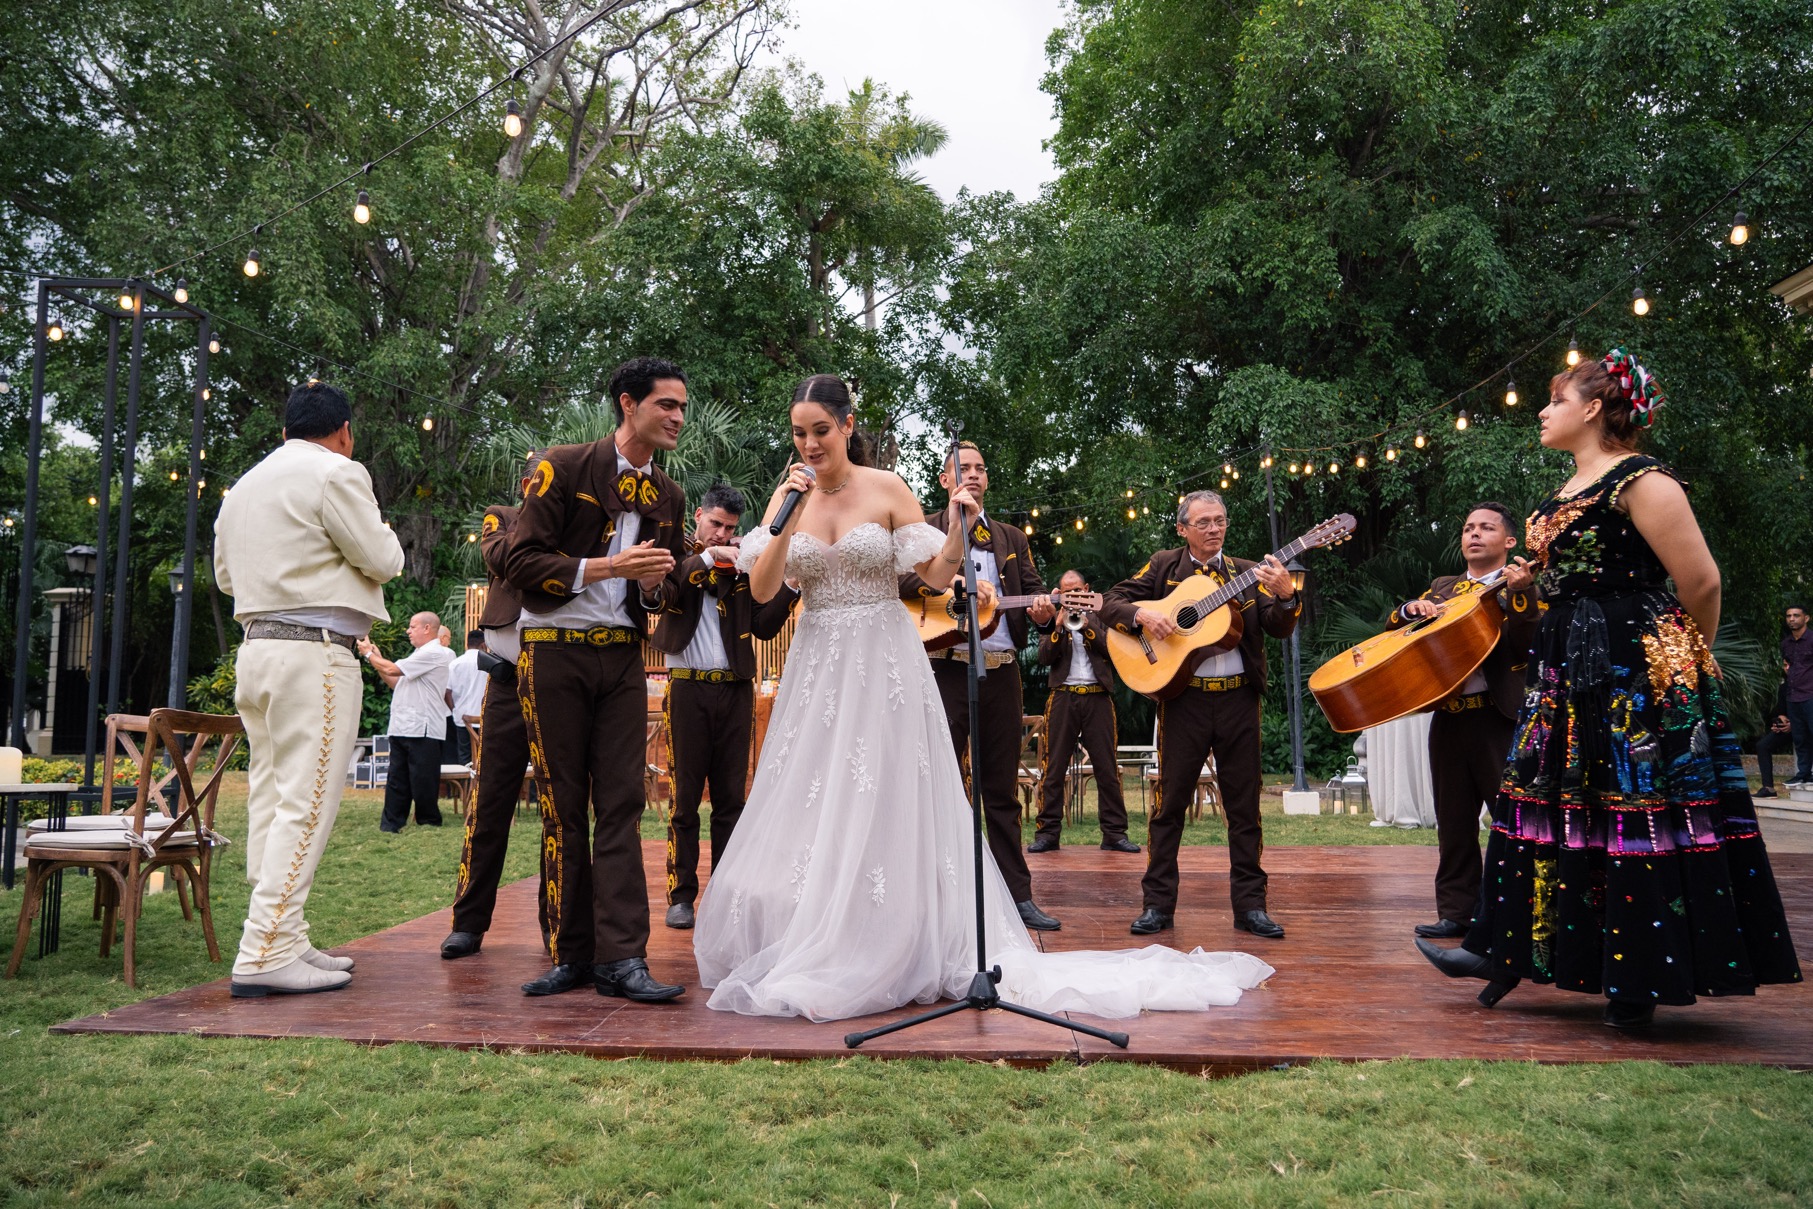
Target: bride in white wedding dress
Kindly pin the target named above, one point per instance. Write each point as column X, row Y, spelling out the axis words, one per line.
column 848, row 887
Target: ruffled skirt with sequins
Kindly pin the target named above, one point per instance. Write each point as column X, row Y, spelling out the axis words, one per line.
column 1625, row 857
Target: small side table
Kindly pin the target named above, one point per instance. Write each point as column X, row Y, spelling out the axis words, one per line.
column 56, row 799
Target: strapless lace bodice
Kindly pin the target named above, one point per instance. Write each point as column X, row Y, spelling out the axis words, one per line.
column 861, row 568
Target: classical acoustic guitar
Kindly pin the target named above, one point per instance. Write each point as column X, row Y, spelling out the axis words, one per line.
column 1207, row 620
column 1412, row 667
column 941, row 619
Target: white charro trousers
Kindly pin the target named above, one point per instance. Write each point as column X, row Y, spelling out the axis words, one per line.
column 300, row 704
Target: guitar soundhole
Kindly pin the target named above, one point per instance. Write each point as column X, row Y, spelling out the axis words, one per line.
column 1188, row 618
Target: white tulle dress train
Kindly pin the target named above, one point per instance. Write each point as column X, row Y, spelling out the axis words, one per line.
column 848, row 887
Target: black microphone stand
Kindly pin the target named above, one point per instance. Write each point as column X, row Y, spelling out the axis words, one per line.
column 982, row 993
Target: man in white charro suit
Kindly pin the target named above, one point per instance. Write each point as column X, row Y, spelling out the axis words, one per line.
column 301, row 548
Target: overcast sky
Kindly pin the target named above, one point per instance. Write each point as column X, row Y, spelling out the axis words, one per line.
column 972, row 65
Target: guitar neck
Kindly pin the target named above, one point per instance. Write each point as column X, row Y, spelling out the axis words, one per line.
column 1241, row 582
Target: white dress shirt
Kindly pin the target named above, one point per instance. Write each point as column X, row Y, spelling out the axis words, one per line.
column 987, row 568
column 603, row 602
column 1081, row 671
column 467, row 684
column 418, row 704
column 1219, row 663
column 706, row 650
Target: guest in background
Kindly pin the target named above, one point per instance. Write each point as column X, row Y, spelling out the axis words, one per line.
column 1777, row 736
column 1797, row 667
column 303, row 551
column 418, row 724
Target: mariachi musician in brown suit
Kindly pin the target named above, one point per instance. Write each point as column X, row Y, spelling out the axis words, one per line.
column 1218, row 712
column 600, row 529
column 707, row 629
column 1080, row 710
column 1470, row 735
column 1004, row 561
column 503, row 748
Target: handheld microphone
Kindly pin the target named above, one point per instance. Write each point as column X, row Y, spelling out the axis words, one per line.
column 789, row 504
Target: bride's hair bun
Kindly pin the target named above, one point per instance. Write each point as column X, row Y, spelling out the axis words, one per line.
column 831, row 393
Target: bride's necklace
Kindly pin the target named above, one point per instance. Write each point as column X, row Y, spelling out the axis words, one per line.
column 838, row 488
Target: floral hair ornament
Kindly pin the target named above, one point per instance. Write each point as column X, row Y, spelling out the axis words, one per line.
column 1637, row 384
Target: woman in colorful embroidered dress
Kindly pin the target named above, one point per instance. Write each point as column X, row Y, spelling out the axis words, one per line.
column 848, row 887
column 1624, row 858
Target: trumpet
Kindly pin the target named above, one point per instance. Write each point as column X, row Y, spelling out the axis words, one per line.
column 1073, row 619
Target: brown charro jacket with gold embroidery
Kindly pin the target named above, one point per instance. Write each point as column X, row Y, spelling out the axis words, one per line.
column 570, row 512
column 1054, row 650
column 1504, row 667
column 502, row 603
column 696, row 586
column 1168, row 568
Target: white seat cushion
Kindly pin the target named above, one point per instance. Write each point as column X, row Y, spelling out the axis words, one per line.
column 154, row 821
column 455, row 770
column 95, row 838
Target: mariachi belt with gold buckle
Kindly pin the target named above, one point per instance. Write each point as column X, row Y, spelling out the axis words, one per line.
column 714, row 675
column 598, row 635
column 990, row 659
column 1458, row 705
column 1218, row 684
column 1081, row 688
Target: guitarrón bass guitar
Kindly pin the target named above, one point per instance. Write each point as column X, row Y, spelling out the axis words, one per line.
column 1412, row 667
column 940, row 618
column 1205, row 621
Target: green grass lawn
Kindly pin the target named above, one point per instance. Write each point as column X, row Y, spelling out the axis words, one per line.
column 166, row 1120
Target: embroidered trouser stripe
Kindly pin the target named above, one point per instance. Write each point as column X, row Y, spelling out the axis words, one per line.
column 300, row 704
column 503, row 753
column 1192, row 725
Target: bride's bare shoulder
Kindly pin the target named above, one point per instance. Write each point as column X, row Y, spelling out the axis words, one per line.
column 892, row 492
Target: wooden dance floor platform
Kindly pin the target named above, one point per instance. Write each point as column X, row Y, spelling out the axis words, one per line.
column 1349, row 986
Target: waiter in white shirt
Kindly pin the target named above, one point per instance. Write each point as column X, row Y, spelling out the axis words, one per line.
column 301, row 547
column 418, row 723
column 466, row 694
column 1080, row 711
column 599, row 530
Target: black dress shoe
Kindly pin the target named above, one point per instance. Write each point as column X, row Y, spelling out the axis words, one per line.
column 1259, row 923
column 1151, row 921
column 1035, row 919
column 1763, row 793
column 1460, row 963
column 558, row 980
column 1621, row 1013
column 1119, row 843
column 1042, row 843
column 680, row 916
column 461, row 944
column 1442, row 929
column 630, row 979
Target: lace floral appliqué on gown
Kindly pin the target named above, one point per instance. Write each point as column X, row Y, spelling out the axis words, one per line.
column 848, row 887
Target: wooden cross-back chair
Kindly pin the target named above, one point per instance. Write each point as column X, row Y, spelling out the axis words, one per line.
column 143, row 839
column 1032, row 763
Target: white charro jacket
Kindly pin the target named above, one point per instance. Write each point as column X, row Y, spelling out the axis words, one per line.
column 302, row 530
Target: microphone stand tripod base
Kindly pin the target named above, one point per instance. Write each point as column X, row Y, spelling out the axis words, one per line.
column 983, row 996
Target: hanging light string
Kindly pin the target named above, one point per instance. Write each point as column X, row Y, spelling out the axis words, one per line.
column 364, row 169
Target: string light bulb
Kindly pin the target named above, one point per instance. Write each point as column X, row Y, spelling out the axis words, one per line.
column 1028, row 528
column 182, row 289
column 1334, row 467
column 1058, row 540
column 1309, row 469
column 251, row 267
column 1227, row 468
column 174, row 476
column 1293, row 468
column 207, row 392
column 1079, row 524
column 1740, row 230
column 471, row 537
column 1132, row 515
column 6, row 383
column 427, row 423
column 1035, row 514
column 1129, row 493
column 1511, row 392
column 1224, row 484
column 1639, row 305
column 1144, row 510
column 54, row 332
column 127, row 301
column 362, row 208
column 1461, row 421
column 1359, row 461
column 513, row 119
column 93, row 502
column 1265, row 463
column 214, row 344
column 1421, row 440
column 1235, row 474
column 1391, row 453
column 1573, row 352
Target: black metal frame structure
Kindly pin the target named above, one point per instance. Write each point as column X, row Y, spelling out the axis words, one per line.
column 81, row 291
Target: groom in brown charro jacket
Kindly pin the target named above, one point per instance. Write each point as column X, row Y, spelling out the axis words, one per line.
column 1470, row 735
column 503, row 748
column 1003, row 559
column 599, row 530
column 1218, row 712
column 707, row 629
